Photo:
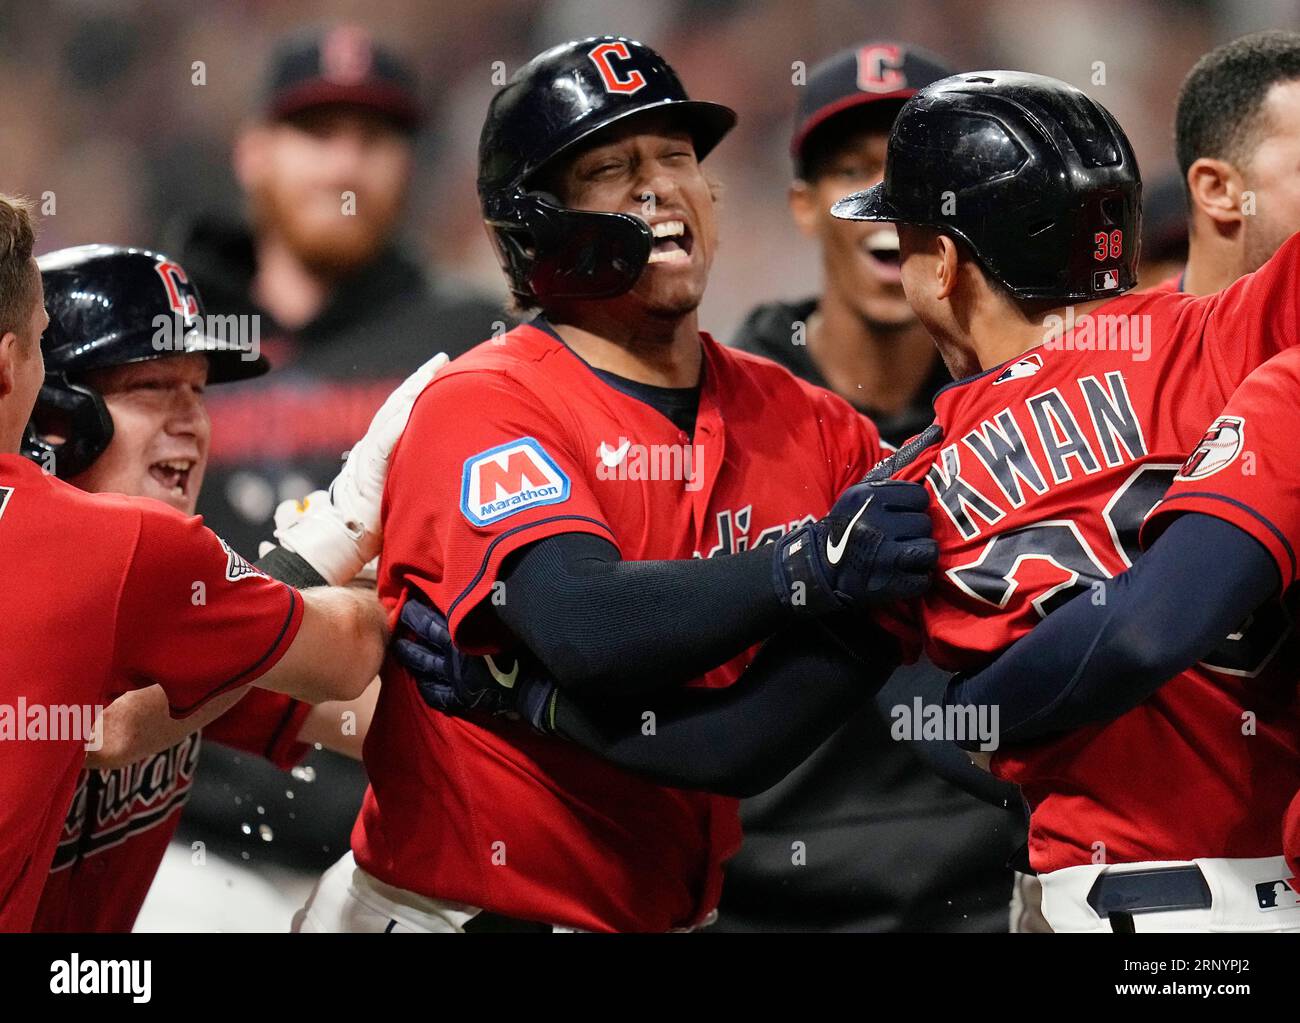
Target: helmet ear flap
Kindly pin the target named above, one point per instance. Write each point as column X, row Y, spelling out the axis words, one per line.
column 78, row 415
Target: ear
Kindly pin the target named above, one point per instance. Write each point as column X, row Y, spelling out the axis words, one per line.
column 1215, row 187
column 945, row 267
column 803, row 206
column 8, row 369
column 250, row 153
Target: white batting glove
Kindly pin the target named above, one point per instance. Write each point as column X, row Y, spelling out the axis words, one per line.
column 338, row 532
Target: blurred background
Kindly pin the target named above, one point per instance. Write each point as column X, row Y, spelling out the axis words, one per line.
column 120, row 119
column 100, row 108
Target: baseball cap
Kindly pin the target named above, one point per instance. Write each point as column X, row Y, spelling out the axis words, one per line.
column 341, row 64
column 860, row 75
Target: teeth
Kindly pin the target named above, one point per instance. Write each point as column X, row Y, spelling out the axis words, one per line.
column 177, row 465
column 668, row 229
column 882, row 241
column 668, row 256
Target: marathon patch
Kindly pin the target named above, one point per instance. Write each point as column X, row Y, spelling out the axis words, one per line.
column 1218, row 449
column 236, row 567
column 508, row 479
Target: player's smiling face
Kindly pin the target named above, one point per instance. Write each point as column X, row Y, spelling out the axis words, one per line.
column 859, row 259
column 160, row 431
column 646, row 166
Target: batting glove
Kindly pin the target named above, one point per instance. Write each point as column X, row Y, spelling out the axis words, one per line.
column 453, row 682
column 338, row 532
column 874, row 546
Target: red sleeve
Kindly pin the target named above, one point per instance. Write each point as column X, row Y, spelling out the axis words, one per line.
column 851, row 440
column 265, row 724
column 1245, row 469
column 1254, row 318
column 482, row 470
column 194, row 617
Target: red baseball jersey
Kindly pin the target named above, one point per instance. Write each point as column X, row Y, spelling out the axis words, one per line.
column 100, row 594
column 516, row 441
column 1046, row 468
column 1245, row 471
column 121, row 820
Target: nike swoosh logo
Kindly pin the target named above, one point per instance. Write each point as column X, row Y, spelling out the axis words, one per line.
column 503, row 679
column 612, row 456
column 835, row 551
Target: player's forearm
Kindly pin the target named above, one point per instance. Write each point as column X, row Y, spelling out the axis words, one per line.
column 740, row 740
column 1104, row 653
column 138, row 724
column 338, row 649
column 341, row 726
column 603, row 625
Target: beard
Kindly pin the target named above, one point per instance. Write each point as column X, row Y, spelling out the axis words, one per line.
column 1262, row 239
column 329, row 244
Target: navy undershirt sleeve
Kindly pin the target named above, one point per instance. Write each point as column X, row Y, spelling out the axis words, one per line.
column 1099, row 656
column 743, row 739
column 600, row 624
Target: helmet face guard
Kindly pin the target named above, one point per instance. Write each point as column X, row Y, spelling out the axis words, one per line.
column 75, row 413
column 562, row 253
column 555, row 103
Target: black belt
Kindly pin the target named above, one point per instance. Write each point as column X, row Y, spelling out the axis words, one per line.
column 494, row 923
column 1117, row 896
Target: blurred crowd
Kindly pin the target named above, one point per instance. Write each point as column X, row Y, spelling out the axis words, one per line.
column 104, row 109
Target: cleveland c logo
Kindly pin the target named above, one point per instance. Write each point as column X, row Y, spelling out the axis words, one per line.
column 879, row 69
column 614, row 82
column 180, row 296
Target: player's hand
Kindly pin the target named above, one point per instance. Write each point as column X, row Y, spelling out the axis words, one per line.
column 453, row 682
column 338, row 532
column 875, row 545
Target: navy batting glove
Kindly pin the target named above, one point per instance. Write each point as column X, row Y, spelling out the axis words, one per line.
column 874, row 546
column 453, row 682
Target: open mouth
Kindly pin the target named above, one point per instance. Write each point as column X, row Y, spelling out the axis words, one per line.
column 173, row 475
column 881, row 248
column 673, row 242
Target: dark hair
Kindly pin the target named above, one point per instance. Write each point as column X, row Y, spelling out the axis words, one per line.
column 1221, row 102
column 829, row 139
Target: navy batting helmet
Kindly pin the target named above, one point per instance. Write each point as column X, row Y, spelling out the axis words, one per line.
column 556, row 101
column 1035, row 176
column 109, row 306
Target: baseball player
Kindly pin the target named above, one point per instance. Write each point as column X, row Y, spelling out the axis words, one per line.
column 1065, row 427
column 607, row 455
column 154, row 599
column 1251, row 81
column 131, row 418
column 1228, row 526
